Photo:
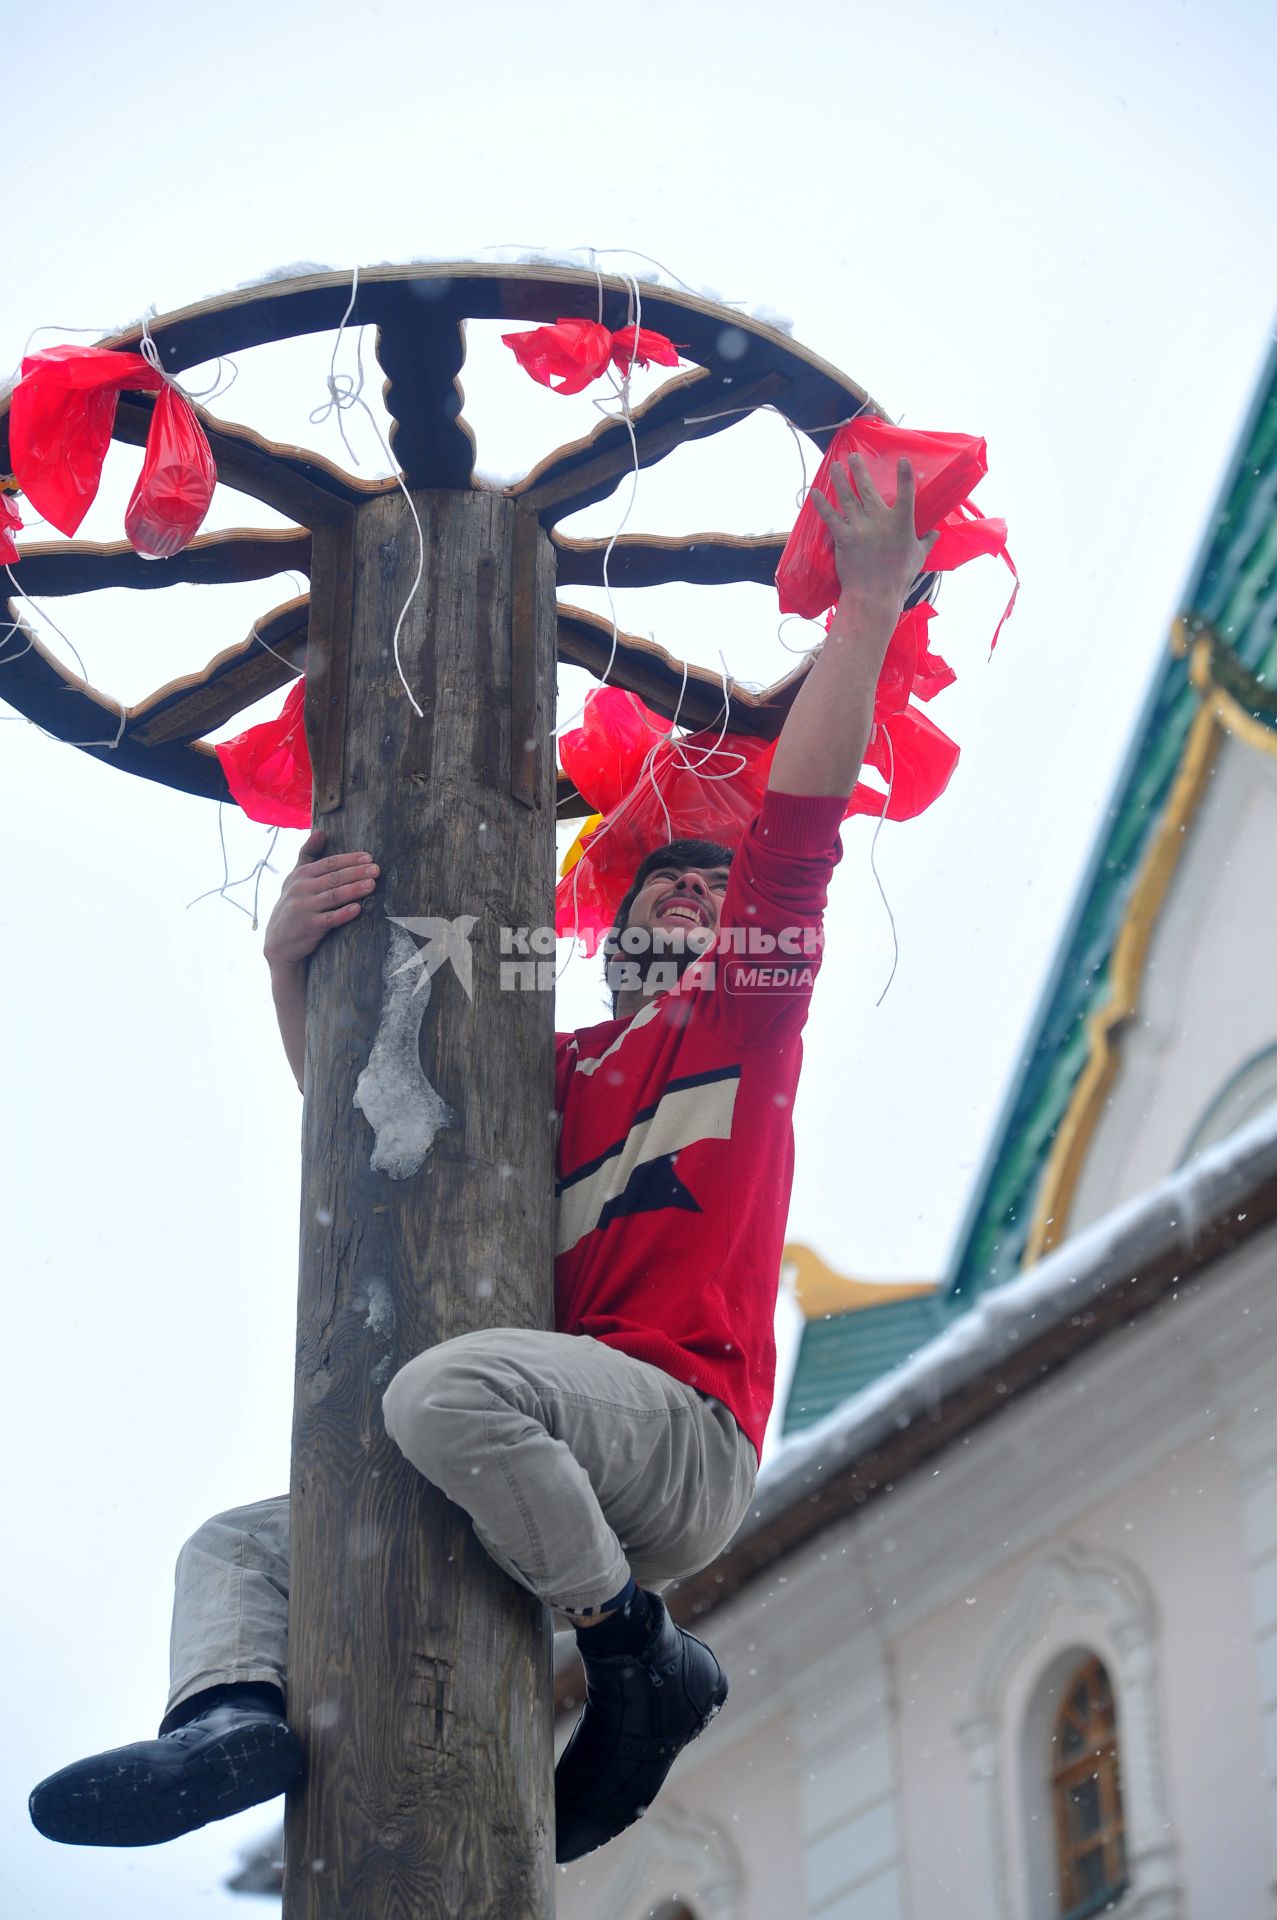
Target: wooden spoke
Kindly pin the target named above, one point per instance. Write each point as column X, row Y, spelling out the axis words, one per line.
column 72, row 711
column 273, row 655
column 421, row 354
column 641, row 667
column 85, row 566
column 689, row 408
column 650, row 560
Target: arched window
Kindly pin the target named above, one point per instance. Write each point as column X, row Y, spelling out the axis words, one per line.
column 1086, row 1788
column 1247, row 1093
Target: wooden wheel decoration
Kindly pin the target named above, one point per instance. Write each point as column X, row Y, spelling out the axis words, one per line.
column 419, row 314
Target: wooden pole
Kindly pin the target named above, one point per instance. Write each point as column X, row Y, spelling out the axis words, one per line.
column 419, row 1674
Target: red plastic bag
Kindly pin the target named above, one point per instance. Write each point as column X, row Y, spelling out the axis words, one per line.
column 60, row 422
column 267, row 767
column 630, row 344
column 176, row 485
column 916, row 761
column 10, row 524
column 966, row 534
column 573, row 352
column 650, row 790
column 963, row 535
column 909, row 666
column 945, row 467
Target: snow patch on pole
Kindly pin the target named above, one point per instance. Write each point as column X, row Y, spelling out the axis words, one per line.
column 393, row 1093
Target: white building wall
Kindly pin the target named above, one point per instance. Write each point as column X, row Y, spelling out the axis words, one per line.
column 876, row 1760
column 1252, row 1438
column 1106, row 1514
column 1208, row 999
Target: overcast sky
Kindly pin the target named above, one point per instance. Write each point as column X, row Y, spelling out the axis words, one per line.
column 1055, row 231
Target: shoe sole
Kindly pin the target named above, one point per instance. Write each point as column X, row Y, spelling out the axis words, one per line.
column 115, row 1801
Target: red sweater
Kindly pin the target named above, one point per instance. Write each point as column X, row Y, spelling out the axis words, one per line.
column 676, row 1145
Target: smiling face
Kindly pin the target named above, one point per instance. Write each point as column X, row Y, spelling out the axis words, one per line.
column 670, row 914
column 680, row 906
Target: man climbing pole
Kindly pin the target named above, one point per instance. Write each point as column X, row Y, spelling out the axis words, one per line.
column 600, row 1462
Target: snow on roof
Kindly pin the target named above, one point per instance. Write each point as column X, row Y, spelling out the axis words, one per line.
column 1171, row 1215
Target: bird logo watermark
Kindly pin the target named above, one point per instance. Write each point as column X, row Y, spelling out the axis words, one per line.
column 446, row 942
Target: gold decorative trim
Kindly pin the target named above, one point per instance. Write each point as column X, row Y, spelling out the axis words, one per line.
column 820, row 1291
column 1225, row 706
column 1219, row 714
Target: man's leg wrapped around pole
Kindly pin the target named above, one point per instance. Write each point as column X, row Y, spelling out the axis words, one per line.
column 593, row 1479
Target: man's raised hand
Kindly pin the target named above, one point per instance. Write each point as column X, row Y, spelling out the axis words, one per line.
column 321, row 892
column 876, row 550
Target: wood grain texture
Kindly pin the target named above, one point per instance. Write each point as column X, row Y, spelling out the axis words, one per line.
column 50, row 568
column 420, row 1675
column 328, row 659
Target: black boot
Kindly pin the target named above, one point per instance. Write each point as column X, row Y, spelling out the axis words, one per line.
column 221, row 1761
column 641, row 1709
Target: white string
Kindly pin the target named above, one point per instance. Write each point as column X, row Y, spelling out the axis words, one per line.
column 804, row 653
column 678, row 751
column 634, row 313
column 14, row 626
column 255, row 633
column 632, row 253
column 726, row 413
column 873, row 865
column 151, row 354
column 255, row 874
column 343, row 394
column 43, row 614
column 607, row 825
column 48, row 327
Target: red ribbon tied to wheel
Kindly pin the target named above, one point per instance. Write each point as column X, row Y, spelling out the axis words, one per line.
column 641, row 345
column 60, row 422
column 178, row 476
column 576, row 352
column 946, row 467
column 267, row 767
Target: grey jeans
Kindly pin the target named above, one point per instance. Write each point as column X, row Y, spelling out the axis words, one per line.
column 577, row 1465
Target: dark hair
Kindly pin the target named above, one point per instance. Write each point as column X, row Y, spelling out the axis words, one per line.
column 679, row 854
